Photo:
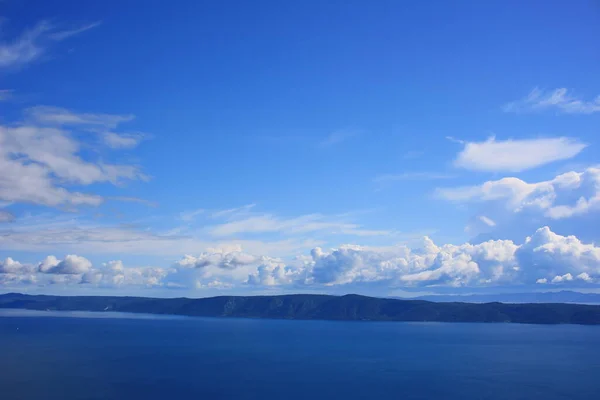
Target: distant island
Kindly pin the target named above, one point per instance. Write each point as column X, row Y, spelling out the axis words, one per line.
column 563, row 296
column 316, row 307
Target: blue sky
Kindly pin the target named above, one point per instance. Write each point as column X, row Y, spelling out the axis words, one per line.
column 199, row 148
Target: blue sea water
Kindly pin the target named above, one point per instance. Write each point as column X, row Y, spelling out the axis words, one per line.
column 65, row 356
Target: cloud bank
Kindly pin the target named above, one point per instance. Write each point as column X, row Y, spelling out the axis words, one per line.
column 545, row 258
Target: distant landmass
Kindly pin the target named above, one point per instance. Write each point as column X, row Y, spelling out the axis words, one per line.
column 564, row 296
column 321, row 307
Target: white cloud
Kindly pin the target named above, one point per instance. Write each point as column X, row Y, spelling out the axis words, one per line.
column 564, row 278
column 115, row 274
column 189, row 216
column 486, row 220
column 34, row 43
column 75, row 270
column 253, row 223
column 62, row 35
column 218, row 258
column 70, row 265
column 39, row 162
column 549, row 255
column 70, row 233
column 567, row 195
column 10, row 266
column 411, row 176
column 48, row 263
column 15, row 273
column 516, row 155
column 24, row 49
column 235, row 212
column 557, row 99
column 122, row 140
column 544, row 258
column 48, row 115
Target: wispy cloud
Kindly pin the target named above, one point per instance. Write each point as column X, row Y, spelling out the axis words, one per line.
column 557, row 99
column 188, row 216
column 516, row 155
column 233, row 212
column 126, row 199
column 337, row 137
column 103, row 124
column 248, row 222
column 122, row 140
column 411, row 176
column 49, row 115
column 34, row 42
column 73, row 233
column 62, row 35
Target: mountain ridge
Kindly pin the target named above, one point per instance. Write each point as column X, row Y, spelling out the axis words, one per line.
column 316, row 307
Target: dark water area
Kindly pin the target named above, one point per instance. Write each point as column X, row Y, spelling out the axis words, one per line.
column 67, row 356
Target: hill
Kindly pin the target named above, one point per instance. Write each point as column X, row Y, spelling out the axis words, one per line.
column 321, row 307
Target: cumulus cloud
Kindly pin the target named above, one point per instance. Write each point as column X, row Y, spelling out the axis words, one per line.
column 33, row 43
column 14, row 273
column 77, row 270
column 556, row 257
column 544, row 258
column 218, row 258
column 516, row 155
column 10, row 266
column 558, row 99
column 219, row 267
column 114, row 273
column 70, row 265
column 512, row 203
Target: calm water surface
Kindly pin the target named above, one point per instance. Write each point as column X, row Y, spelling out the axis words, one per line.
column 65, row 356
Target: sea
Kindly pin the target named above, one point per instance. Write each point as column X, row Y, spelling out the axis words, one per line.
column 67, row 356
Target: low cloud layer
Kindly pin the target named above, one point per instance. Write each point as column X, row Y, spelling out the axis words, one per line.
column 545, row 258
